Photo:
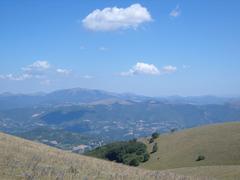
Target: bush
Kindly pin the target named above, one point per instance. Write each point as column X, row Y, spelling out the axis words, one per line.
column 134, row 162
column 155, row 135
column 146, row 157
column 151, row 140
column 173, row 130
column 200, row 158
column 155, row 148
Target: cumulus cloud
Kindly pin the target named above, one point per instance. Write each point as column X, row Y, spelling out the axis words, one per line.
column 175, row 12
column 148, row 69
column 142, row 68
column 114, row 18
column 63, row 71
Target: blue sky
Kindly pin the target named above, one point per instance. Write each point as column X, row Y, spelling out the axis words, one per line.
column 155, row 48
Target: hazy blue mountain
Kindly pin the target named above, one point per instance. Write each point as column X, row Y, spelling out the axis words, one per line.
column 110, row 116
column 63, row 97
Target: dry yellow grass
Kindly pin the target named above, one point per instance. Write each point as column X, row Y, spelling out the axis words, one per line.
column 22, row 159
column 219, row 172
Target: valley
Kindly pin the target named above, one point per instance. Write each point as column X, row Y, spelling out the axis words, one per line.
column 99, row 117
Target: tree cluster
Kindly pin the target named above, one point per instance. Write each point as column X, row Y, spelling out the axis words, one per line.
column 130, row 152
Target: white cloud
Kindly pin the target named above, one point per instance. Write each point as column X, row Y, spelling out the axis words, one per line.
column 41, row 71
column 63, row 71
column 175, row 12
column 114, row 18
column 148, row 69
column 15, row 77
column 37, row 70
column 142, row 68
column 169, row 69
column 37, row 66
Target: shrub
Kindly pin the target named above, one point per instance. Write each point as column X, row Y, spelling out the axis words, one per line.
column 155, row 135
column 146, row 157
column 155, row 148
column 200, row 158
column 173, row 130
column 134, row 162
column 151, row 140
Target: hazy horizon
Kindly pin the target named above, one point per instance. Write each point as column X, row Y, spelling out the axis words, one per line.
column 123, row 92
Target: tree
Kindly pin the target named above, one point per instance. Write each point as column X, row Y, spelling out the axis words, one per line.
column 155, row 148
column 155, row 135
column 122, row 152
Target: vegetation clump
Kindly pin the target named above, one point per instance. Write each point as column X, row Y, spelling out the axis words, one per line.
column 155, row 148
column 131, row 152
column 200, row 158
column 151, row 140
column 155, row 135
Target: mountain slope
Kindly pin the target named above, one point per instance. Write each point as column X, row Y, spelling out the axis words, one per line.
column 219, row 144
column 22, row 159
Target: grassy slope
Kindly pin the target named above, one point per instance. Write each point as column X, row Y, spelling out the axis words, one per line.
column 220, row 144
column 218, row 172
column 22, row 159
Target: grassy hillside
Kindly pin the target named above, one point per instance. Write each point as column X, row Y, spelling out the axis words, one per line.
column 219, row 144
column 217, row 172
column 22, row 159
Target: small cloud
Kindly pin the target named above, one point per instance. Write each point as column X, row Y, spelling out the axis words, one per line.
column 114, row 18
column 37, row 66
column 142, row 68
column 175, row 12
column 15, row 77
column 63, row 71
column 169, row 69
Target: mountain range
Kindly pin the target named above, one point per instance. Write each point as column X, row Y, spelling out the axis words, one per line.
column 103, row 117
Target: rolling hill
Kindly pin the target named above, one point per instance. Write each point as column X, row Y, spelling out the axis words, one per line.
column 23, row 159
column 219, row 144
